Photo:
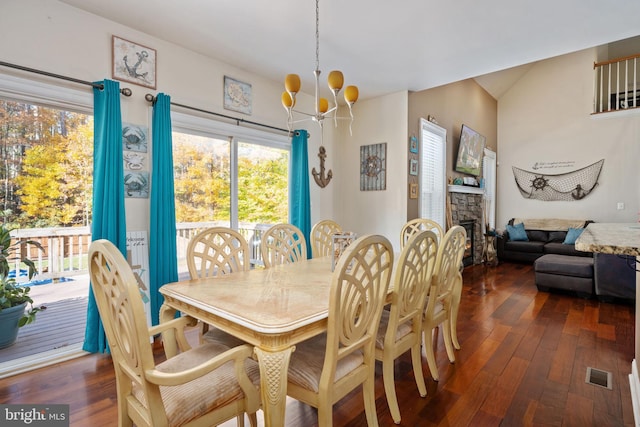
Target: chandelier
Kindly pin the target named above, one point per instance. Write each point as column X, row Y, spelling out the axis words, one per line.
column 322, row 110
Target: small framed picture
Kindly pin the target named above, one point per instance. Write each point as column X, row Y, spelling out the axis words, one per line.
column 413, row 167
column 133, row 63
column 136, row 184
column 135, row 137
column 413, row 190
column 237, row 96
column 413, row 144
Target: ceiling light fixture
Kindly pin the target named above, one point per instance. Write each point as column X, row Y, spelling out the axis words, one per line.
column 335, row 81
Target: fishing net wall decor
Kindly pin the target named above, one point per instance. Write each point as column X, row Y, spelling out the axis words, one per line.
column 574, row 185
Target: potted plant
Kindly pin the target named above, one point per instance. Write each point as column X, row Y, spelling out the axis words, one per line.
column 14, row 298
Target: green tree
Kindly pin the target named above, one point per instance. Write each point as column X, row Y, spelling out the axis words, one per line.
column 78, row 174
column 40, row 186
column 262, row 188
column 201, row 184
column 46, row 165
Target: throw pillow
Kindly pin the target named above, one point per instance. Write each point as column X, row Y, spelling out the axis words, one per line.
column 572, row 235
column 517, row 233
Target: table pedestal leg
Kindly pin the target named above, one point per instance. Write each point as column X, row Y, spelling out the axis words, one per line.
column 273, row 384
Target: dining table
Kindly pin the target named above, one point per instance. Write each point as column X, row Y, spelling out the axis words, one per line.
column 271, row 308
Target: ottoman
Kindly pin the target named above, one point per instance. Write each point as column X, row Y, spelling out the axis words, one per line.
column 570, row 273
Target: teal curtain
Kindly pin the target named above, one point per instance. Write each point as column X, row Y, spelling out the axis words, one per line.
column 299, row 198
column 108, row 220
column 163, row 259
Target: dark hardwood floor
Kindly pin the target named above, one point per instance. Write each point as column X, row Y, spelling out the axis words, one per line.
column 523, row 362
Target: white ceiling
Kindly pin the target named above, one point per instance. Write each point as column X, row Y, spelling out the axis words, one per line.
column 381, row 46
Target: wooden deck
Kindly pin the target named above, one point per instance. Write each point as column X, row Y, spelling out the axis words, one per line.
column 61, row 325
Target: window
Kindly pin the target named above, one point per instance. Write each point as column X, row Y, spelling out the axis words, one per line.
column 489, row 175
column 433, row 140
column 225, row 175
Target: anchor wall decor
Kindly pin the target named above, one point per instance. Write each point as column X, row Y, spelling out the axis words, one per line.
column 320, row 177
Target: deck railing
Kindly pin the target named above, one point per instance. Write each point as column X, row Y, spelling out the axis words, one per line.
column 66, row 249
column 616, row 84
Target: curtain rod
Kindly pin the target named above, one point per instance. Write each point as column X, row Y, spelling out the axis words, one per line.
column 125, row 90
column 152, row 99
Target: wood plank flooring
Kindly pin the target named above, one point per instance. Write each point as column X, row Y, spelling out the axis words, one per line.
column 523, row 362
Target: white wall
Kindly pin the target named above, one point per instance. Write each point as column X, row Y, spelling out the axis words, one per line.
column 377, row 120
column 54, row 37
column 546, row 117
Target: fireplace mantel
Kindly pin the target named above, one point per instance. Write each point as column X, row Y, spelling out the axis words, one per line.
column 465, row 189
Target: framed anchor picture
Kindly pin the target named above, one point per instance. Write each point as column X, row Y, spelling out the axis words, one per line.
column 133, row 63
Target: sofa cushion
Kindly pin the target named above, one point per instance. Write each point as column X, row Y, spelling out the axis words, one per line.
column 517, row 233
column 557, row 236
column 572, row 235
column 562, row 249
column 538, row 235
column 529, row 247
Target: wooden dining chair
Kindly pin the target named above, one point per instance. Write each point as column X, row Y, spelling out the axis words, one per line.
column 322, row 237
column 196, row 387
column 419, row 224
column 324, row 369
column 215, row 252
column 401, row 326
column 441, row 300
column 283, row 244
column 458, row 248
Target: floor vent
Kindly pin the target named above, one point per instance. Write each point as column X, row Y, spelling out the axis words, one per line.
column 599, row 378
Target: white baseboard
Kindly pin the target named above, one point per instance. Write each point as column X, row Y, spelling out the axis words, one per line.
column 29, row 363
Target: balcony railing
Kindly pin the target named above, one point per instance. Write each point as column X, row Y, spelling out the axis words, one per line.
column 616, row 84
column 66, row 249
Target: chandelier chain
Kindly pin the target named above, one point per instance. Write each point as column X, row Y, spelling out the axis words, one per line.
column 317, row 35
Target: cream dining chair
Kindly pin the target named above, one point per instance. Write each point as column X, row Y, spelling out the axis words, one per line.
column 324, row 369
column 322, row 237
column 459, row 248
column 215, row 252
column 196, row 387
column 441, row 300
column 419, row 224
column 283, row 244
column 401, row 326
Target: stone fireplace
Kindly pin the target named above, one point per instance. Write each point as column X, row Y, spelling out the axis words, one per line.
column 466, row 204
